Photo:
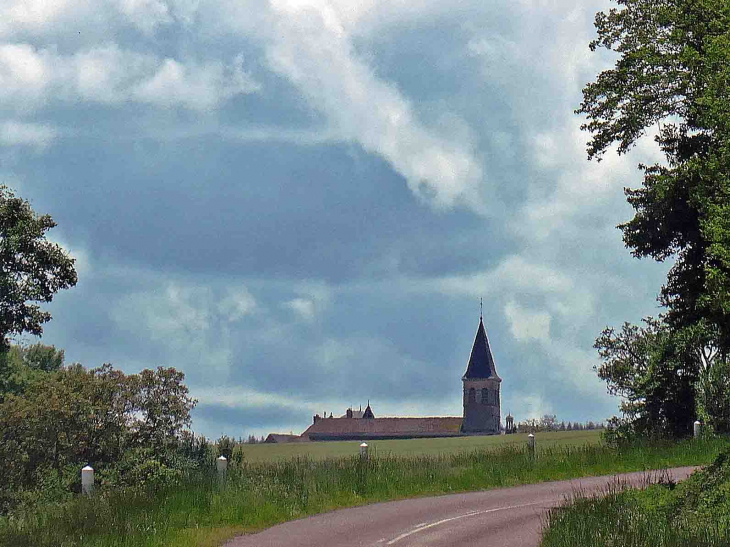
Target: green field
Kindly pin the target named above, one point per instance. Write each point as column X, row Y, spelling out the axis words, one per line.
column 413, row 447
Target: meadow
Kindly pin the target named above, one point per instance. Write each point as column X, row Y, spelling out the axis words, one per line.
column 199, row 511
column 414, row 447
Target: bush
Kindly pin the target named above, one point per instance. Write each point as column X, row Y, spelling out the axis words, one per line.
column 127, row 427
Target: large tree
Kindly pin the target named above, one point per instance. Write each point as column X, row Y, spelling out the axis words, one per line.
column 32, row 269
column 655, row 370
column 673, row 75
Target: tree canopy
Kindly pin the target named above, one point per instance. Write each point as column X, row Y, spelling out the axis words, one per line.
column 655, row 370
column 671, row 77
column 32, row 269
column 672, row 74
column 127, row 426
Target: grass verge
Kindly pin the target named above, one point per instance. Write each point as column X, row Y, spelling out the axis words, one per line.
column 201, row 512
column 693, row 513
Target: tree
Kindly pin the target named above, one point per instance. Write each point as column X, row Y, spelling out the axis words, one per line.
column 126, row 426
column 32, row 269
column 548, row 422
column 655, row 369
column 20, row 366
column 72, row 416
column 161, row 400
column 673, row 72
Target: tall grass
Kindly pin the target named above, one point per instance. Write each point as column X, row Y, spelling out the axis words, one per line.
column 694, row 513
column 200, row 511
column 615, row 518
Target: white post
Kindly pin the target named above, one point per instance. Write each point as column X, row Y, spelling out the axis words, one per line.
column 364, row 451
column 221, row 465
column 698, row 428
column 87, row 480
column 531, row 445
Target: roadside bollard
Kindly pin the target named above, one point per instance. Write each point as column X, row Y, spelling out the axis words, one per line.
column 221, row 464
column 531, row 445
column 364, row 451
column 87, row 480
column 698, row 429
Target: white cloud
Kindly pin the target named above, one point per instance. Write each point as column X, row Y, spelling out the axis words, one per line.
column 513, row 273
column 147, row 15
column 311, row 47
column 24, row 75
column 313, row 299
column 31, row 77
column 33, row 15
column 303, row 307
column 237, row 304
column 196, row 86
column 15, row 133
column 104, row 73
column 527, row 324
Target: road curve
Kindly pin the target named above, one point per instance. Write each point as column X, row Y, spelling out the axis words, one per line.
column 506, row 517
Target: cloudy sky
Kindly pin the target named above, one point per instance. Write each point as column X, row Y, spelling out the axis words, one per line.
column 299, row 203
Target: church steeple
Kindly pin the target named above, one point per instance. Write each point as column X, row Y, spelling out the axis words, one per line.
column 481, row 388
column 481, row 362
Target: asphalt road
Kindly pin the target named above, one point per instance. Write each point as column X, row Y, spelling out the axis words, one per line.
column 507, row 517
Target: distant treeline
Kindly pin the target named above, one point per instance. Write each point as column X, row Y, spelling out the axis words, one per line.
column 549, row 422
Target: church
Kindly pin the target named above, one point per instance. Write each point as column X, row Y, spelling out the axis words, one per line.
column 481, row 416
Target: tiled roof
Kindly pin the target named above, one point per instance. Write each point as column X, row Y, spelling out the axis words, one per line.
column 481, row 362
column 383, row 428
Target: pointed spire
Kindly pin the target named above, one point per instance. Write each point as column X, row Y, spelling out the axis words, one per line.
column 481, row 362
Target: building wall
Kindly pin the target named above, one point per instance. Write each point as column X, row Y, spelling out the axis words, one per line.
column 481, row 406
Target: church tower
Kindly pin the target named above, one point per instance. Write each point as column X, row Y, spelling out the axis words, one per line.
column 481, row 388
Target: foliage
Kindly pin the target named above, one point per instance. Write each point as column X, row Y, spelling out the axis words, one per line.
column 664, row 376
column 20, row 366
column 714, row 396
column 261, row 494
column 161, row 398
column 655, row 372
column 672, row 72
column 102, row 417
column 549, row 422
column 32, row 269
column 696, row 512
column 229, row 449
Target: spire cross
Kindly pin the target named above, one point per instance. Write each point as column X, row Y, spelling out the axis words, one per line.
column 480, row 309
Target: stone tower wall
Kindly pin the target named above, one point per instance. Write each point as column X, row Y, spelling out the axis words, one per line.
column 482, row 406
